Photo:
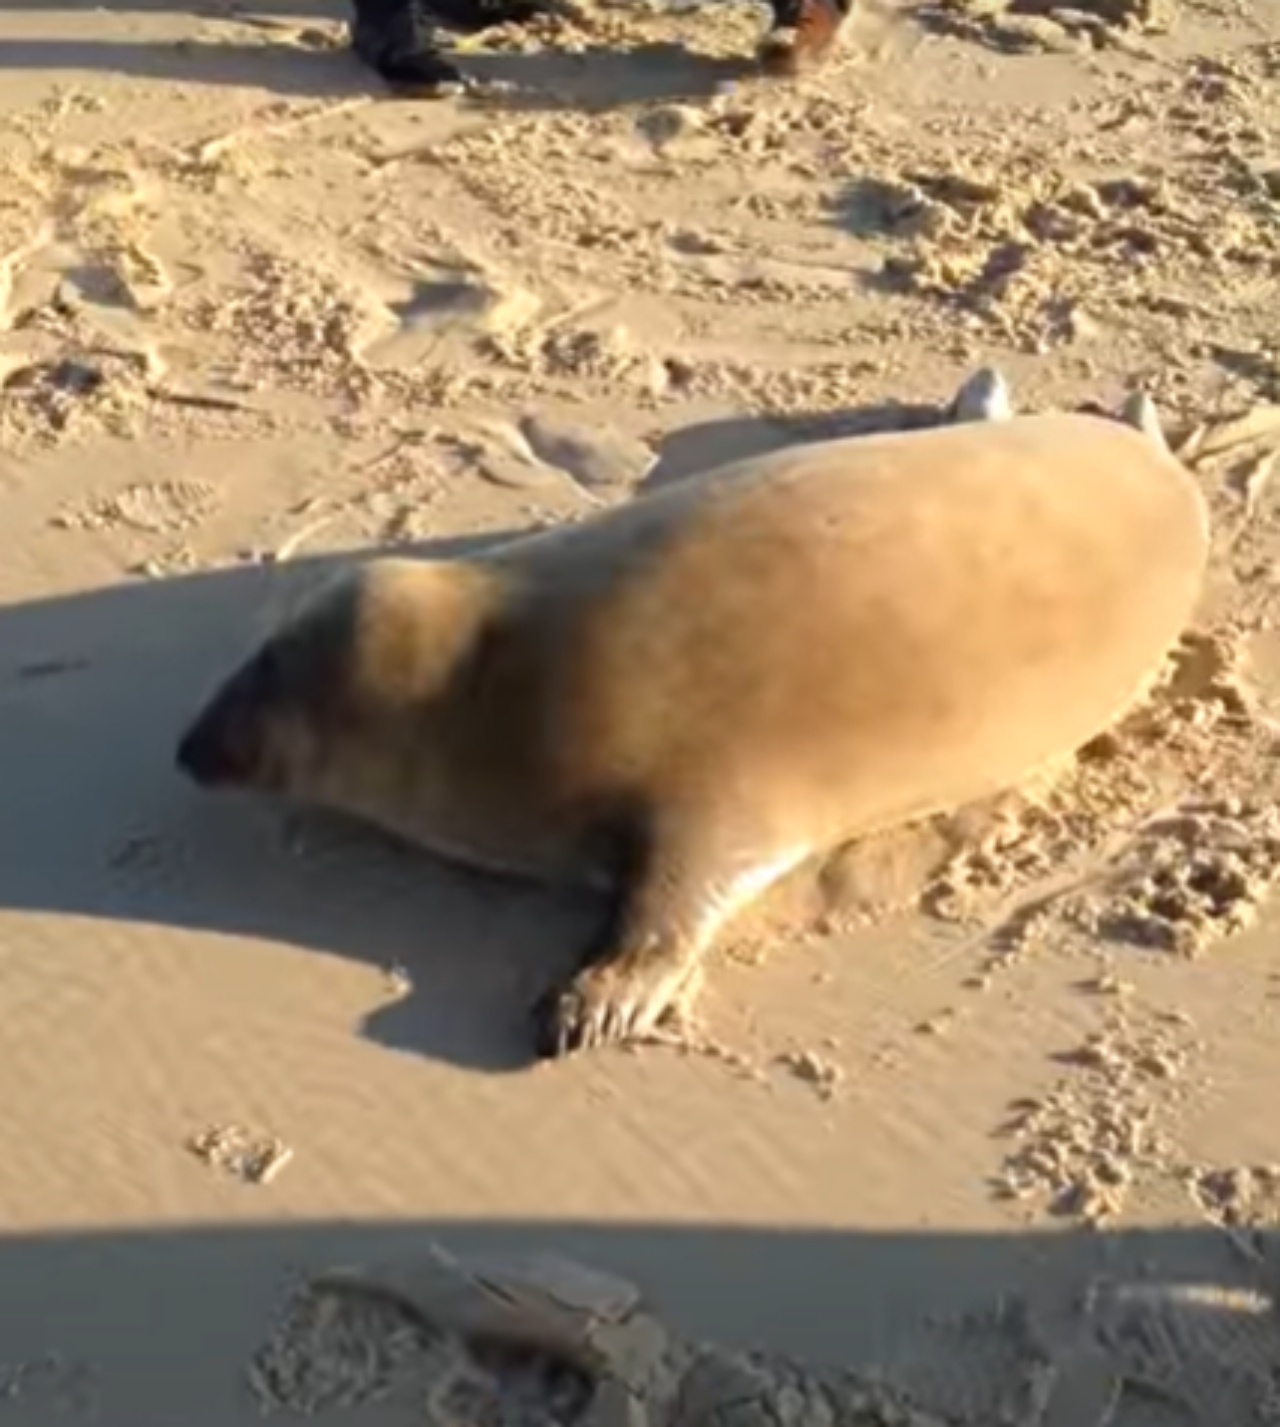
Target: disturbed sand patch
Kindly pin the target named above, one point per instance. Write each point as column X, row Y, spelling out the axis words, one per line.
column 244, row 1154
column 1080, row 1149
column 1044, row 258
column 1045, row 24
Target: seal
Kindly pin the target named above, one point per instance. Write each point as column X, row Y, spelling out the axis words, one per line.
column 687, row 696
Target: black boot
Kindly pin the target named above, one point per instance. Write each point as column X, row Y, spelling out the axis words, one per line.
column 398, row 39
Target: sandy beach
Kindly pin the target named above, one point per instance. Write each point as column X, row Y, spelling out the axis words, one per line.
column 255, row 317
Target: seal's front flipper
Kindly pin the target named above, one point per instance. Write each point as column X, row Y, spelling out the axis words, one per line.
column 631, row 978
column 647, row 957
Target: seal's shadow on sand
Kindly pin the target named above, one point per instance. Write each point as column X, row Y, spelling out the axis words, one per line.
column 95, row 821
column 704, row 444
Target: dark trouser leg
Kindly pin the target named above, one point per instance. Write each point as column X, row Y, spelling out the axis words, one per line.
column 397, row 38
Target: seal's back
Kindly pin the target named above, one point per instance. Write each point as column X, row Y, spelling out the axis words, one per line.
column 882, row 626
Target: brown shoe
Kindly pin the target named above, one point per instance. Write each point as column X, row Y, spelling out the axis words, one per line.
column 803, row 37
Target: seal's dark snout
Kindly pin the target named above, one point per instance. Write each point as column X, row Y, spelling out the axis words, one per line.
column 186, row 758
column 218, row 748
column 224, row 746
column 205, row 756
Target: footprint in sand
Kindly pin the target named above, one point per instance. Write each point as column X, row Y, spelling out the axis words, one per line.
column 598, row 458
column 411, row 318
column 545, row 453
column 151, row 507
column 108, row 279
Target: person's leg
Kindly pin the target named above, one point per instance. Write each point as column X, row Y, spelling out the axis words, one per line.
column 804, row 34
column 399, row 39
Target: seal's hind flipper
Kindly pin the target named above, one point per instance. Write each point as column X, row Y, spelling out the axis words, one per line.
column 984, row 396
column 1139, row 411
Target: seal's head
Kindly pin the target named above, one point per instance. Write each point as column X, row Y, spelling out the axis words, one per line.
column 334, row 683
column 259, row 728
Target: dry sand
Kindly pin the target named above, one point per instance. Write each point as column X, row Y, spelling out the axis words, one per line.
column 1018, row 1077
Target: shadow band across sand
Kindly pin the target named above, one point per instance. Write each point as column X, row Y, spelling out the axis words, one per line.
column 304, row 63
column 157, row 1327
